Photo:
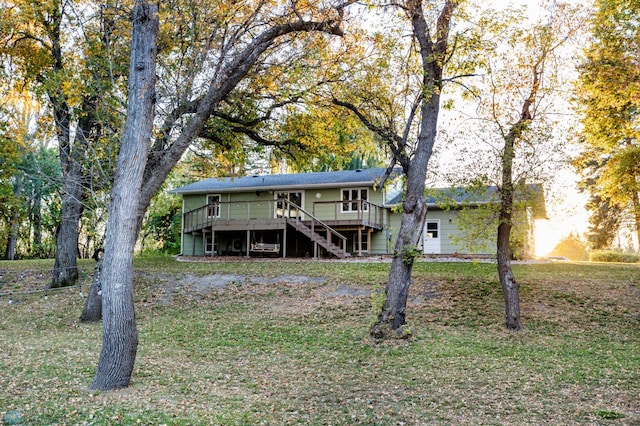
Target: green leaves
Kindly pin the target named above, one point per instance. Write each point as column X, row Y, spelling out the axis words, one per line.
column 608, row 89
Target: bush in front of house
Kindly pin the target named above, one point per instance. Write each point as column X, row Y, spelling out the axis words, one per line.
column 614, row 256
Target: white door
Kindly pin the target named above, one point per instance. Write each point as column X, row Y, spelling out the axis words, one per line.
column 432, row 237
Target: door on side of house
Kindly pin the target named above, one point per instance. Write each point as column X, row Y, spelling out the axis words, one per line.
column 431, row 237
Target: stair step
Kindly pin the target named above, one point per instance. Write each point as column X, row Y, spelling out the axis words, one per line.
column 315, row 237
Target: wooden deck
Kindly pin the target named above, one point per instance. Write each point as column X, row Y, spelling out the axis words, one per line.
column 269, row 215
column 322, row 226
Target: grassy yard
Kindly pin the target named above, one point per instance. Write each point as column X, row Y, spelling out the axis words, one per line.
column 278, row 343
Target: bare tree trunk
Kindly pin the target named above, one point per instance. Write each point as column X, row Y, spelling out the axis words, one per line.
column 65, row 267
column 92, row 311
column 74, row 193
column 12, row 242
column 510, row 287
column 393, row 316
column 120, row 334
column 36, row 222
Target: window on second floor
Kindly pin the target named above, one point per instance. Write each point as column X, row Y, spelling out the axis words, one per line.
column 355, row 199
column 213, row 201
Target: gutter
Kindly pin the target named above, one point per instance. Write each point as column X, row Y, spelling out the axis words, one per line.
column 332, row 185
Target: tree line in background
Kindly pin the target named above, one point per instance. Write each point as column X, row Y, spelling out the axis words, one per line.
column 72, row 62
column 104, row 105
column 608, row 94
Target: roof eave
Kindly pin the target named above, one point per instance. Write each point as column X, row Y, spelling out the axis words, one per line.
column 274, row 188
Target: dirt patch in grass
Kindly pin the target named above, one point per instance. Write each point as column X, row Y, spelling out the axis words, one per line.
column 168, row 285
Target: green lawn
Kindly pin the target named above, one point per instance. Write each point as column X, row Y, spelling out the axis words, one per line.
column 275, row 342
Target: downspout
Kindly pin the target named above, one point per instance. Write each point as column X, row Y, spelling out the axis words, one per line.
column 182, row 229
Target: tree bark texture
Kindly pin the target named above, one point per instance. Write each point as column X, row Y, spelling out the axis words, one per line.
column 120, row 334
column 414, row 210
column 36, row 222
column 394, row 310
column 92, row 311
column 510, row 287
column 74, row 192
column 65, row 267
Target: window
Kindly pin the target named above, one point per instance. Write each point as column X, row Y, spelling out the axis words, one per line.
column 288, row 209
column 432, row 229
column 355, row 199
column 364, row 242
column 213, row 201
column 210, row 244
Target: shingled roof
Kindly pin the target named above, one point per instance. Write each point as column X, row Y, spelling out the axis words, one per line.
column 344, row 178
column 436, row 197
column 440, row 198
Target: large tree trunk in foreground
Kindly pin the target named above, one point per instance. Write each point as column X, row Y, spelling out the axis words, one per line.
column 393, row 316
column 120, row 334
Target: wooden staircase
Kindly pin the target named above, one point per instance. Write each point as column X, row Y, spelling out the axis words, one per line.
column 319, row 239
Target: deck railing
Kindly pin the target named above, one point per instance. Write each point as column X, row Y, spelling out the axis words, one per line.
column 226, row 213
column 357, row 211
column 272, row 211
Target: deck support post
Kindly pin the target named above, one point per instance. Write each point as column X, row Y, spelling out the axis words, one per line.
column 284, row 242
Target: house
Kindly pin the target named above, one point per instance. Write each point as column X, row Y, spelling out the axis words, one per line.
column 342, row 214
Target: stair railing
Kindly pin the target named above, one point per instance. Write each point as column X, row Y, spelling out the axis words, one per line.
column 292, row 207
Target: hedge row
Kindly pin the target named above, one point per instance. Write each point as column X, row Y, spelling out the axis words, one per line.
column 614, row 256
